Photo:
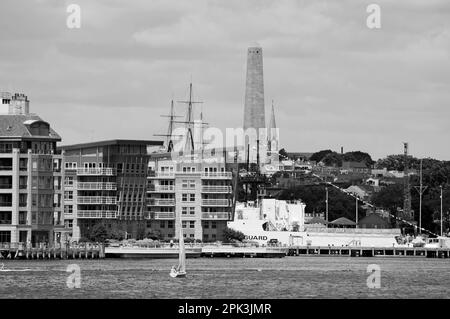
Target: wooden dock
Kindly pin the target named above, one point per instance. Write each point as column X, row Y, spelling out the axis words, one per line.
column 418, row 252
column 42, row 251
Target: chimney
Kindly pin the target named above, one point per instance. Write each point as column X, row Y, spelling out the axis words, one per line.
column 342, row 150
column 19, row 104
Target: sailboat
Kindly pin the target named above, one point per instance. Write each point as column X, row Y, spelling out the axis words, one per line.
column 180, row 270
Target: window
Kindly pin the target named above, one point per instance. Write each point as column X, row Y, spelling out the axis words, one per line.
column 5, row 218
column 191, row 235
column 68, row 195
column 213, row 224
column 192, row 197
column 162, row 224
column 184, row 197
column 184, row 224
column 68, row 209
column 191, row 210
column 191, row 224
column 192, row 184
column 5, row 236
column 170, row 224
column 183, row 210
column 68, row 181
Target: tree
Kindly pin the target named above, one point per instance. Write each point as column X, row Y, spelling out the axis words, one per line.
column 283, row 154
column 318, row 156
column 358, row 156
column 332, row 159
column 99, row 233
column 231, row 235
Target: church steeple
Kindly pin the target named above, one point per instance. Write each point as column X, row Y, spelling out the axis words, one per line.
column 272, row 138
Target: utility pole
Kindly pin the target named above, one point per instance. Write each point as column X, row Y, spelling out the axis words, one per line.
column 420, row 189
column 326, row 204
column 356, row 197
column 442, row 221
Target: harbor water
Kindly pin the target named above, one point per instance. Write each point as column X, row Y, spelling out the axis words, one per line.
column 290, row 277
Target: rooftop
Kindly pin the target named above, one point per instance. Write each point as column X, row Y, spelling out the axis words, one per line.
column 111, row 142
column 15, row 126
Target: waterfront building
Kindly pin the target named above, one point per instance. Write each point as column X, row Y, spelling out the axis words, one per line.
column 105, row 182
column 195, row 194
column 30, row 175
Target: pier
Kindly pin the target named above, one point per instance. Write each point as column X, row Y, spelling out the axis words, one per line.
column 58, row 251
column 417, row 252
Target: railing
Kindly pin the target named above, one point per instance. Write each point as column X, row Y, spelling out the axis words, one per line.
column 97, row 186
column 162, row 202
column 388, row 231
column 5, row 186
column 162, row 174
column 161, row 188
column 217, row 175
column 96, row 171
column 215, row 202
column 216, row 189
column 96, row 200
column 162, row 215
column 96, row 214
column 5, row 168
column 217, row 215
column 5, row 204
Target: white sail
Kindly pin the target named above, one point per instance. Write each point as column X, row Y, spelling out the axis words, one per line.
column 182, row 253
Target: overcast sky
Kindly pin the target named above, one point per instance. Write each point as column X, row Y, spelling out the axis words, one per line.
column 335, row 82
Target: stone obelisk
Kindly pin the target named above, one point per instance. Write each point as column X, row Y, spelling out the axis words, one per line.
column 254, row 111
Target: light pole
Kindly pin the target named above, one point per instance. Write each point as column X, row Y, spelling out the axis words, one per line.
column 442, row 221
column 356, row 197
column 326, row 205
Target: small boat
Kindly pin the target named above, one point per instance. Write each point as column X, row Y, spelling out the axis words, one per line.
column 180, row 270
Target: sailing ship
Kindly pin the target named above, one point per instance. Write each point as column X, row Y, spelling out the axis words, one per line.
column 180, row 270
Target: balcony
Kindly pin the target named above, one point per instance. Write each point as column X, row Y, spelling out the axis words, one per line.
column 161, row 188
column 216, row 189
column 5, row 186
column 96, row 186
column 96, row 171
column 217, row 175
column 5, row 204
column 5, row 168
column 162, row 202
column 159, row 174
column 218, row 215
column 215, row 202
column 162, row 215
column 97, row 200
column 111, row 214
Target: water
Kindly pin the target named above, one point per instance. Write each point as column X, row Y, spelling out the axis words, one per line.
column 290, row 277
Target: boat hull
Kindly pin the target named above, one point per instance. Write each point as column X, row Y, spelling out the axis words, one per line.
column 152, row 253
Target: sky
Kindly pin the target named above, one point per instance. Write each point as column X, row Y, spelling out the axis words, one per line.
column 334, row 81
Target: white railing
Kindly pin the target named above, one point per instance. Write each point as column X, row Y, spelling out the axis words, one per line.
column 162, row 174
column 96, row 200
column 216, row 175
column 215, row 202
column 388, row 231
column 216, row 189
column 162, row 215
column 97, row 214
column 97, row 186
column 96, row 171
column 162, row 188
column 217, row 215
column 162, row 202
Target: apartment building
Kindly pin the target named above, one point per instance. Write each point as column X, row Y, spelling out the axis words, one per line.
column 194, row 194
column 30, row 175
column 106, row 182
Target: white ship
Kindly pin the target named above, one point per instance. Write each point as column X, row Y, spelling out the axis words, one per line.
column 271, row 220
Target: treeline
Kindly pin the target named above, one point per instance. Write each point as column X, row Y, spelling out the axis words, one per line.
column 331, row 158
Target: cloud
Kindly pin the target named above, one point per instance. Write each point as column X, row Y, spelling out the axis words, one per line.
column 334, row 81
